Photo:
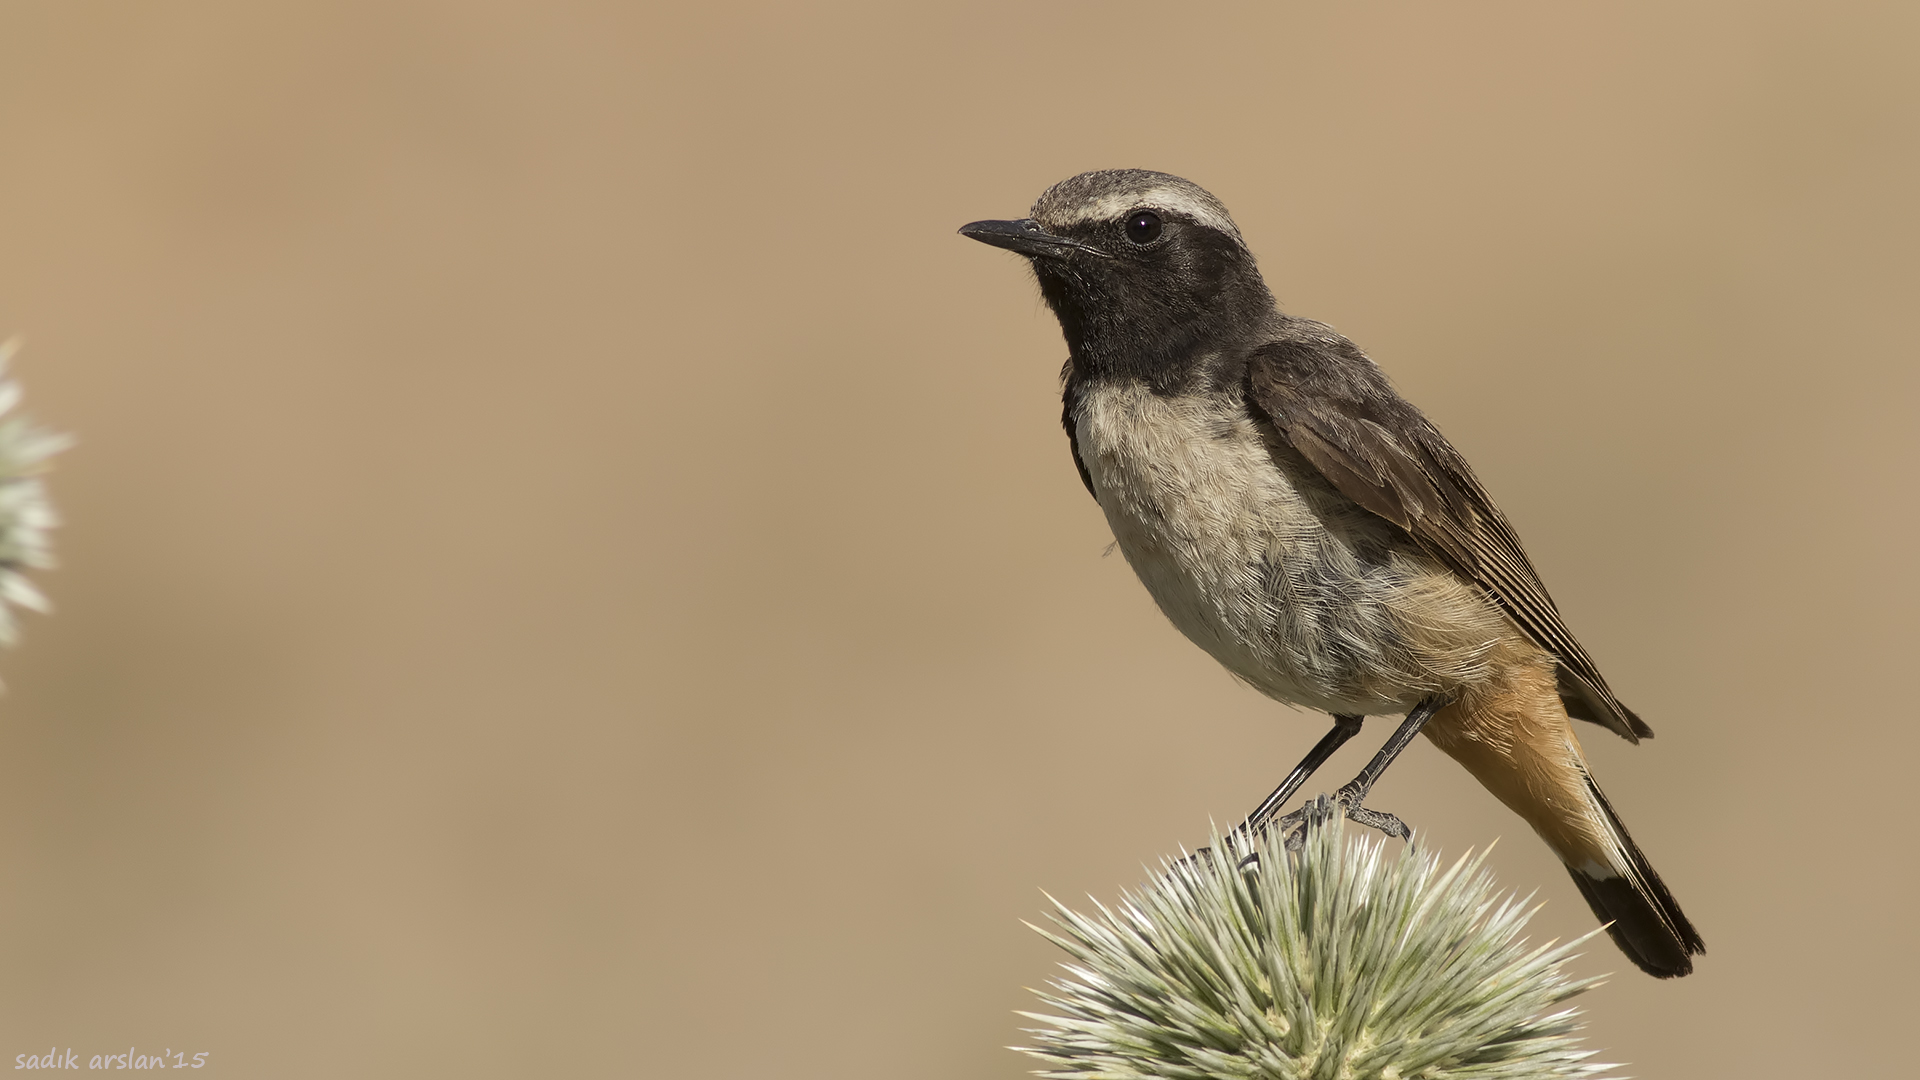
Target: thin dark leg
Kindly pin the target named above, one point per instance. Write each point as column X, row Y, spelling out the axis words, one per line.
column 1353, row 795
column 1355, row 791
column 1344, row 728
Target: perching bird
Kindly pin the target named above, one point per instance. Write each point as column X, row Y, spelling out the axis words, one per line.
column 1302, row 522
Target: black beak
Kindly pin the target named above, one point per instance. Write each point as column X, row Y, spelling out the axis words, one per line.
column 1026, row 237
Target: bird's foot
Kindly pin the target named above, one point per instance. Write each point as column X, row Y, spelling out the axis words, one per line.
column 1322, row 809
column 1376, row 819
column 1354, row 795
column 1314, row 813
column 1239, row 845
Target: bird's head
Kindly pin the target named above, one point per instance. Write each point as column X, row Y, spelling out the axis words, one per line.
column 1142, row 268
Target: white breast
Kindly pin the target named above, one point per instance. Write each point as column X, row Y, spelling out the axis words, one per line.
column 1248, row 565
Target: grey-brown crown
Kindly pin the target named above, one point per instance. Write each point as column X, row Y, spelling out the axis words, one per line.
column 1107, row 194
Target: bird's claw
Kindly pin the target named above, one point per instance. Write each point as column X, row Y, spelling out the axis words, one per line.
column 1353, row 797
column 1320, row 809
column 1237, row 842
column 1313, row 813
column 1375, row 819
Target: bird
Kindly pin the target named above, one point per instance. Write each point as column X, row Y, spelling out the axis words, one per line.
column 1313, row 531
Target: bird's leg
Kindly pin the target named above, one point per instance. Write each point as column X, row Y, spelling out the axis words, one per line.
column 1353, row 795
column 1344, row 728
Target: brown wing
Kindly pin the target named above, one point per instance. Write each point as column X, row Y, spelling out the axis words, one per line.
column 1337, row 409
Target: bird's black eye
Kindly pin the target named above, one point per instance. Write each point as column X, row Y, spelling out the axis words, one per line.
column 1143, row 227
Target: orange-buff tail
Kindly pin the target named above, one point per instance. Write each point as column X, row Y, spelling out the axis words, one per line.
column 1514, row 736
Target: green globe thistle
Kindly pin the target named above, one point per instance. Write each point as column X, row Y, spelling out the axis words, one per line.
column 1337, row 962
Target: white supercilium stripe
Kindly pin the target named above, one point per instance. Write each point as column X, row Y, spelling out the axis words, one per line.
column 1166, row 198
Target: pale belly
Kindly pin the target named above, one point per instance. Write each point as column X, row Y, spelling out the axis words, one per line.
column 1298, row 592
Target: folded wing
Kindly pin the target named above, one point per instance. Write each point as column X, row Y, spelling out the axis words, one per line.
column 1334, row 406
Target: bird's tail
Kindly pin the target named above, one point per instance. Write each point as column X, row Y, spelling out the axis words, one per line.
column 1629, row 896
column 1515, row 738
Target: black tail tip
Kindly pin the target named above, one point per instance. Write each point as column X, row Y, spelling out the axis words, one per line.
column 1644, row 922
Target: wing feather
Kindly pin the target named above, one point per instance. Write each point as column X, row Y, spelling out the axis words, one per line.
column 1335, row 407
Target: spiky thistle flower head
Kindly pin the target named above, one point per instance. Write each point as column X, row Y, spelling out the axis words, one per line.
column 26, row 515
column 1338, row 961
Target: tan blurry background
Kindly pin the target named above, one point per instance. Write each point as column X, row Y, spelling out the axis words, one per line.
column 572, row 568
